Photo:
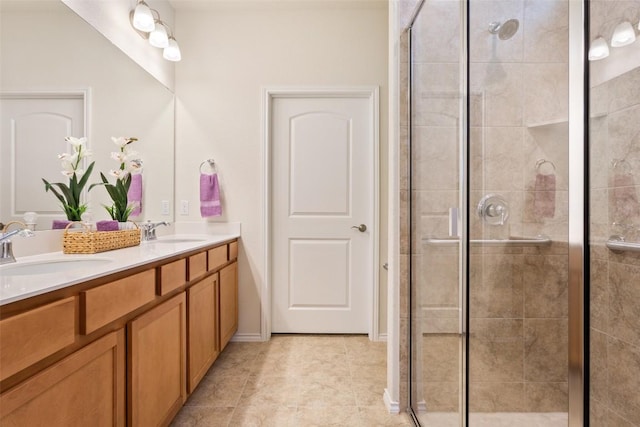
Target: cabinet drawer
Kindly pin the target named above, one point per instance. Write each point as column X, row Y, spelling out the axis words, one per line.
column 233, row 250
column 217, row 257
column 172, row 276
column 106, row 303
column 197, row 265
column 29, row 337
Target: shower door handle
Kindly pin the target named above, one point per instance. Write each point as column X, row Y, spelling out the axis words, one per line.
column 454, row 222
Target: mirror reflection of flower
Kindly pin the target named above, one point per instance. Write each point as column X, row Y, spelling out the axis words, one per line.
column 130, row 163
column 70, row 195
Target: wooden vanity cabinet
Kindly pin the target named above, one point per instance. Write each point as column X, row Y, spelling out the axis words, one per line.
column 87, row 388
column 202, row 326
column 157, row 363
column 228, row 303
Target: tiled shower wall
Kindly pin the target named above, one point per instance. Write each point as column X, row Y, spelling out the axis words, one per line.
column 615, row 210
column 518, row 295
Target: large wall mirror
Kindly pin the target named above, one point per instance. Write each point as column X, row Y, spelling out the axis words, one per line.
column 47, row 52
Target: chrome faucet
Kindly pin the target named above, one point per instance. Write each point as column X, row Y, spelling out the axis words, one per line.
column 6, row 247
column 149, row 230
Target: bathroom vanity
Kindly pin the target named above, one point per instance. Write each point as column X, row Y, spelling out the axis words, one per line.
column 122, row 344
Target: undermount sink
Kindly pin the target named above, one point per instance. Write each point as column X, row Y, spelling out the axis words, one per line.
column 51, row 266
column 176, row 240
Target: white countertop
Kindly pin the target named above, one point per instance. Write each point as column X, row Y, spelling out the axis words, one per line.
column 21, row 285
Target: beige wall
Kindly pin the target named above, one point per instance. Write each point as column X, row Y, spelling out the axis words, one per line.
column 230, row 52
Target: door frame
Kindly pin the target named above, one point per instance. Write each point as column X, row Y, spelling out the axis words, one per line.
column 268, row 95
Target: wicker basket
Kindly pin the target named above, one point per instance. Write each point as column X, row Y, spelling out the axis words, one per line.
column 91, row 242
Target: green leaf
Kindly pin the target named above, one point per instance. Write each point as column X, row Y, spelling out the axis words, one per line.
column 48, row 186
column 85, row 177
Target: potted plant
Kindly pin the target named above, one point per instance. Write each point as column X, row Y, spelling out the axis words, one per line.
column 70, row 194
column 128, row 163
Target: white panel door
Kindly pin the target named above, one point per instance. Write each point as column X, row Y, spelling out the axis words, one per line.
column 32, row 132
column 322, row 186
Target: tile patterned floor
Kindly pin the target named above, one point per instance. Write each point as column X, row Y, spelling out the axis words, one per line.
column 294, row 381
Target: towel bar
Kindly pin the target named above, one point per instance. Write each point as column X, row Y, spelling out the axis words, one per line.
column 620, row 246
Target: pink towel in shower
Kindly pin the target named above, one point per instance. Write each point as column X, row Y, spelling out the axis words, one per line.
column 209, row 195
column 544, row 196
column 134, row 195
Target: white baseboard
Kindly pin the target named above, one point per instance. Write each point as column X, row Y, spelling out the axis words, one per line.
column 382, row 337
column 392, row 406
column 247, row 337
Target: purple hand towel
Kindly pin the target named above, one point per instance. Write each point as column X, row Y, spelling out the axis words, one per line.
column 134, row 195
column 107, row 225
column 209, row 196
column 59, row 224
column 544, row 196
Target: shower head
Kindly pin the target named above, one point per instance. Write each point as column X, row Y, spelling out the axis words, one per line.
column 504, row 30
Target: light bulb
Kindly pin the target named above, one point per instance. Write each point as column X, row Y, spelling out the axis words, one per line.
column 599, row 49
column 142, row 18
column 172, row 52
column 623, row 34
column 158, row 37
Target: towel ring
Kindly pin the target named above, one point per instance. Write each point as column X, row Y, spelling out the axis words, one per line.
column 211, row 163
column 541, row 162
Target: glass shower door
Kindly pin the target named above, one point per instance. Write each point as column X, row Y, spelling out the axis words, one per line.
column 436, row 158
column 518, row 221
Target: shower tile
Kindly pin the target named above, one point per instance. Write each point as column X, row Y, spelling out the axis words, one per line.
column 546, row 397
column 503, row 159
column 545, row 289
column 546, row 352
column 404, row 161
column 624, row 302
column 624, row 90
column 599, row 100
column 599, row 369
column 599, row 152
column 546, row 93
column 624, row 140
column 624, row 365
column 441, row 358
column 404, row 222
column 438, row 285
column 441, row 396
column 549, row 143
column 496, row 350
column 496, row 397
column 597, row 414
column 599, row 308
column 487, row 47
column 498, row 287
column 546, row 31
column 500, row 86
column 437, row 33
column 435, row 162
column 599, row 214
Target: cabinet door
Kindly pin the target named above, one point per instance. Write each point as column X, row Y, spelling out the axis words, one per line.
column 87, row 388
column 202, row 326
column 228, row 303
column 157, row 363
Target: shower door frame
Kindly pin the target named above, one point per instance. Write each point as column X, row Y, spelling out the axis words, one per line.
column 578, row 218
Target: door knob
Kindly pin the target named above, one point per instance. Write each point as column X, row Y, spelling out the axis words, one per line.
column 361, row 228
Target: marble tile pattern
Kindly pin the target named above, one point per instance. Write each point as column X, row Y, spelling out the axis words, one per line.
column 294, row 380
column 614, row 131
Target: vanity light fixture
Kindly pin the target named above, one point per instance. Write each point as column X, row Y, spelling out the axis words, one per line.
column 157, row 32
column 599, row 49
column 623, row 34
column 158, row 37
column 143, row 18
column 172, row 52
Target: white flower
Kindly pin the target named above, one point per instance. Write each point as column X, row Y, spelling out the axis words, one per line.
column 120, row 141
column 134, row 165
column 130, row 155
column 68, row 173
column 76, row 142
column 118, row 173
column 119, row 156
column 86, row 153
column 64, row 156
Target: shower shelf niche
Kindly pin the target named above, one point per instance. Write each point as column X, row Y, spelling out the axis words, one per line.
column 550, row 124
column 512, row 241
